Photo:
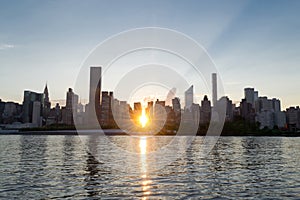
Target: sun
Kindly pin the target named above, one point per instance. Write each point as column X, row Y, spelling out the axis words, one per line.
column 143, row 119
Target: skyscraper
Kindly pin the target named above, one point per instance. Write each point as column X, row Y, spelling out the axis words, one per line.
column 250, row 95
column 276, row 105
column 176, row 109
column 106, row 119
column 95, row 86
column 47, row 103
column 36, row 114
column 205, row 110
column 93, row 107
column 214, row 89
column 71, row 107
column 29, row 106
column 189, row 98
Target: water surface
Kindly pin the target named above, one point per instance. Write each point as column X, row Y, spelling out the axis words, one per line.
column 59, row 167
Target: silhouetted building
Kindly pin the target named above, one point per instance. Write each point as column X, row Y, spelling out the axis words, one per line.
column 124, row 111
column 47, row 104
column 266, row 119
column 150, row 110
column 137, row 107
column 29, row 107
column 36, row 113
column 276, row 105
column 55, row 115
column 195, row 114
column 95, row 85
column 189, row 98
column 246, row 110
column 214, row 89
column 249, row 95
column 93, row 107
column 280, row 119
column 70, row 111
column 205, row 111
column 2, row 106
column 255, row 96
column 106, row 117
column 10, row 112
column 170, row 116
column 229, row 108
column 293, row 118
column 177, row 109
column 160, row 114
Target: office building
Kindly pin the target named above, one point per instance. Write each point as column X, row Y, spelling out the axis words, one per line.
column 95, row 86
column 36, row 114
column 276, row 105
column 205, row 111
column 293, row 118
column 214, row 89
column 177, row 109
column 70, row 111
column 249, row 95
column 189, row 98
column 229, row 108
column 93, row 107
column 28, row 105
column 47, row 104
column 106, row 117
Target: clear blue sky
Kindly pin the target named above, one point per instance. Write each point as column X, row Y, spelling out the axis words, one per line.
column 253, row 43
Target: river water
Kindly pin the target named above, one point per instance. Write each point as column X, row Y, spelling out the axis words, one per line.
column 61, row 167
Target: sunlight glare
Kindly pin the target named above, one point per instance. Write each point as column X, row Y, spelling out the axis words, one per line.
column 143, row 119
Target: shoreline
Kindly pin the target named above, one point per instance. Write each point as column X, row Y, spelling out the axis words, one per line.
column 118, row 132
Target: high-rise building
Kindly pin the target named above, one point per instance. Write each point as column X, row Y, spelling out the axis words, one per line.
column 159, row 112
column 95, row 86
column 276, row 105
column 150, row 110
column 189, row 98
column 280, row 119
column 249, row 95
column 47, row 103
column 29, row 99
column 36, row 113
column 293, row 118
column 266, row 119
column 214, row 89
column 93, row 107
column 255, row 96
column 205, row 111
column 137, row 106
column 177, row 109
column 263, row 103
column 70, row 110
column 247, row 111
column 10, row 112
column 106, row 117
column 195, row 114
column 124, row 111
column 229, row 108
column 176, row 105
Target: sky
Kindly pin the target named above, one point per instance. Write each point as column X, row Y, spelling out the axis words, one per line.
column 253, row 43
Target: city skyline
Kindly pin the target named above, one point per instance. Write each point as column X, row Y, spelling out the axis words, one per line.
column 42, row 42
column 105, row 109
column 149, row 99
column 195, row 98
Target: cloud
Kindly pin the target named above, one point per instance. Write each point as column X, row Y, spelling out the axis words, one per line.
column 6, row 46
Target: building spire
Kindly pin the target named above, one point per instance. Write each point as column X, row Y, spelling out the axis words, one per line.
column 46, row 93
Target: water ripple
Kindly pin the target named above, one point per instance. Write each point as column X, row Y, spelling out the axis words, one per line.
column 61, row 167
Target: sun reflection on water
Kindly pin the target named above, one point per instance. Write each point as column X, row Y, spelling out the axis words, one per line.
column 145, row 182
